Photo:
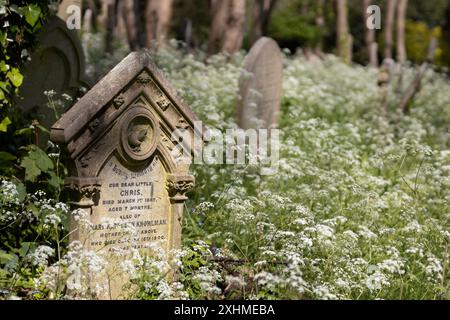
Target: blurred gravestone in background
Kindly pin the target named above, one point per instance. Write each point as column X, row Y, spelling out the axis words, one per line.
column 56, row 64
column 260, row 86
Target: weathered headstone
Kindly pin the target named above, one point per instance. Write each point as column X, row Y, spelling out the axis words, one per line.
column 260, row 86
column 56, row 64
column 119, row 140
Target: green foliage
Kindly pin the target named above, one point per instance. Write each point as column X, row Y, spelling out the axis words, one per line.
column 35, row 163
column 23, row 19
column 31, row 224
column 294, row 23
column 417, row 38
column 357, row 209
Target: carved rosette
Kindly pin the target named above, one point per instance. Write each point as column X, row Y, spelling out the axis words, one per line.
column 178, row 186
column 86, row 191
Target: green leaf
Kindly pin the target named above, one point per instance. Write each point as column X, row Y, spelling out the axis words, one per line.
column 5, row 257
column 3, row 37
column 21, row 190
column 26, row 248
column 4, row 86
column 54, row 180
column 6, row 161
column 15, row 76
column 42, row 160
column 23, row 131
column 4, row 124
column 31, row 170
column 3, row 66
column 32, row 13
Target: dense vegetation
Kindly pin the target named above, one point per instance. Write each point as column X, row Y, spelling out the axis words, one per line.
column 359, row 207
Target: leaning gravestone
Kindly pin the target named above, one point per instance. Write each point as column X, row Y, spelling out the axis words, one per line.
column 260, row 86
column 122, row 164
column 56, row 64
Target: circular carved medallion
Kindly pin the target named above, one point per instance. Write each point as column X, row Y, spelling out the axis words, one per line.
column 139, row 133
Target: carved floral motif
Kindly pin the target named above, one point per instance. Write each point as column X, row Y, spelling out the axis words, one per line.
column 119, row 101
column 179, row 185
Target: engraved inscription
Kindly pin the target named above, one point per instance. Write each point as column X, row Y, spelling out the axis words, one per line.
column 138, row 198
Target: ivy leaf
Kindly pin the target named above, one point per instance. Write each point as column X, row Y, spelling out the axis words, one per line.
column 32, row 13
column 4, row 124
column 15, row 76
column 31, row 170
column 3, row 66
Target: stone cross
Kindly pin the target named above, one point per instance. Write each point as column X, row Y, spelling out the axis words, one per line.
column 122, row 162
column 260, row 86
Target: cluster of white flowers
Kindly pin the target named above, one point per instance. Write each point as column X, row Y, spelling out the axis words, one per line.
column 40, row 256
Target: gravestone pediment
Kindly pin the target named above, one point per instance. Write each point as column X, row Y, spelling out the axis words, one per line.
column 124, row 163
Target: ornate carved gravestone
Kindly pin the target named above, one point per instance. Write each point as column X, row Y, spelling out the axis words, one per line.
column 118, row 136
column 260, row 86
column 56, row 64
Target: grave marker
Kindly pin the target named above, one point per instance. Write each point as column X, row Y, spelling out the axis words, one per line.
column 260, row 86
column 56, row 64
column 118, row 136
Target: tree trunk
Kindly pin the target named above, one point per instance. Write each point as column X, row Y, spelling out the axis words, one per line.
column 130, row 23
column 103, row 16
column 165, row 16
column 93, row 8
column 87, row 21
column 110, row 23
column 344, row 38
column 219, row 15
column 234, row 34
column 401, row 17
column 120, row 30
column 261, row 16
column 151, row 23
column 389, row 29
column 371, row 45
column 320, row 23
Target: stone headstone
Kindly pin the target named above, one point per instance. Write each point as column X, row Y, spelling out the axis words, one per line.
column 122, row 165
column 56, row 64
column 260, row 86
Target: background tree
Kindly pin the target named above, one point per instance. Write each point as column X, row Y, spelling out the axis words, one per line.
column 389, row 28
column 227, row 26
column 369, row 37
column 401, row 19
column 234, row 34
column 262, row 9
column 129, row 17
column 343, row 37
column 157, row 15
column 219, row 16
